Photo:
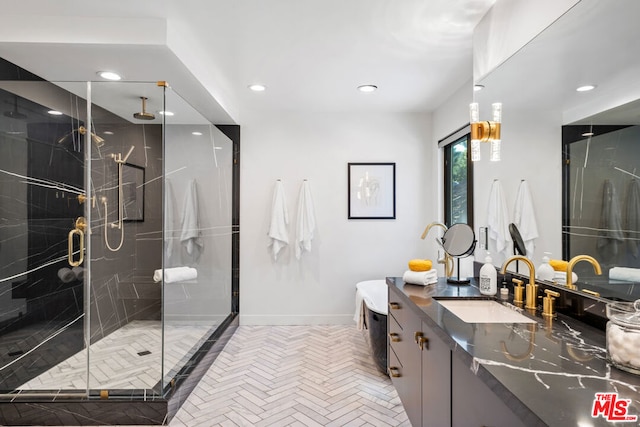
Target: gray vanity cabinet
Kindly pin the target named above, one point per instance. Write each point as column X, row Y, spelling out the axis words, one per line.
column 436, row 380
column 473, row 403
column 419, row 365
column 404, row 357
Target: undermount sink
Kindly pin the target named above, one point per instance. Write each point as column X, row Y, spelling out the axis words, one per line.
column 483, row 311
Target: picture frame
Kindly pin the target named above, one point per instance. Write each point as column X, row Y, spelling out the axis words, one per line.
column 133, row 192
column 371, row 191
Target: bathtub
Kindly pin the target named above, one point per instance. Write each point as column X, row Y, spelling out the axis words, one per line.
column 374, row 295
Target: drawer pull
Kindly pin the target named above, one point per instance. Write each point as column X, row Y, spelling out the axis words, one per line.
column 394, row 305
column 394, row 372
column 423, row 342
column 394, row 337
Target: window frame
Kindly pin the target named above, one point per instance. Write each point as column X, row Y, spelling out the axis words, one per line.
column 446, row 144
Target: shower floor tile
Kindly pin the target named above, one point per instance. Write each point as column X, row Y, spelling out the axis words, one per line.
column 282, row 376
column 127, row 358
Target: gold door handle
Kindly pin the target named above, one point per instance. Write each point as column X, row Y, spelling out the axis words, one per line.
column 80, row 226
column 394, row 372
column 394, row 337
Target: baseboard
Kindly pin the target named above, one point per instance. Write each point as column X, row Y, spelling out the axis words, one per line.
column 296, row 319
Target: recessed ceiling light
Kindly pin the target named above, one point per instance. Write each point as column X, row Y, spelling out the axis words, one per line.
column 54, row 112
column 166, row 113
column 585, row 88
column 257, row 87
column 196, row 133
column 477, row 87
column 107, row 132
column 367, row 88
column 109, row 75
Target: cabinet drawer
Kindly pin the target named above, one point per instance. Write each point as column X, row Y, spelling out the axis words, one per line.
column 397, row 308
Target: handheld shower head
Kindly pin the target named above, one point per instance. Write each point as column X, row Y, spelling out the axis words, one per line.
column 128, row 154
column 143, row 115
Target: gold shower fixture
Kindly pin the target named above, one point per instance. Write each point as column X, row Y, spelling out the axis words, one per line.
column 485, row 131
column 99, row 141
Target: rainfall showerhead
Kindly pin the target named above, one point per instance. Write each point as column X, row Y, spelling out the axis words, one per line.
column 15, row 114
column 143, row 115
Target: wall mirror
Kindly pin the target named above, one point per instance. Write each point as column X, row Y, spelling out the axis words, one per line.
column 594, row 43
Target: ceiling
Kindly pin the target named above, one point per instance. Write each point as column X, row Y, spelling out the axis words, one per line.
column 311, row 54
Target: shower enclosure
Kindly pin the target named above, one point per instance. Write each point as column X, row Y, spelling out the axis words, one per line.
column 115, row 250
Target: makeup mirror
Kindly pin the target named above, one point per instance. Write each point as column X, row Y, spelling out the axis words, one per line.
column 459, row 241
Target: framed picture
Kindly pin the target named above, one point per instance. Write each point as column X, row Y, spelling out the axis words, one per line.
column 133, row 192
column 372, row 190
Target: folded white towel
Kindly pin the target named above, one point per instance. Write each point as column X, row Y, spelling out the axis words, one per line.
column 278, row 232
column 560, row 277
column 176, row 274
column 66, row 275
column 420, row 277
column 78, row 272
column 625, row 273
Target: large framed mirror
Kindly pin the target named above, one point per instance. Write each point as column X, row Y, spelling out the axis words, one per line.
column 587, row 140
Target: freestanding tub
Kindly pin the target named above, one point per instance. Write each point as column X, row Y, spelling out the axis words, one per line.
column 374, row 295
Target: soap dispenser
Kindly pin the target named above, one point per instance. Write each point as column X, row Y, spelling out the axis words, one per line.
column 545, row 271
column 488, row 277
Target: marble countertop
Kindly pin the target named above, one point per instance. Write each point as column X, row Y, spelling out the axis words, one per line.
column 547, row 372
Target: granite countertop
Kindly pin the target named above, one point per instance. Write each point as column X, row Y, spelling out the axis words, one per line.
column 547, row 372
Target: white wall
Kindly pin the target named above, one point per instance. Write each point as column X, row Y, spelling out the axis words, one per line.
column 531, row 150
column 320, row 288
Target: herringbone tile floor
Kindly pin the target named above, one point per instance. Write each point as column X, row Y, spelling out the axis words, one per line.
column 293, row 376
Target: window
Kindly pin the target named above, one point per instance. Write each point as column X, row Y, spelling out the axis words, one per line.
column 458, row 178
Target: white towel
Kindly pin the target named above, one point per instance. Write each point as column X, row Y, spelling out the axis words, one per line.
column 358, row 317
column 421, row 277
column 625, row 273
column 305, row 222
column 190, row 236
column 170, row 227
column 497, row 219
column 66, row 275
column 610, row 236
column 279, row 220
column 176, row 274
column 524, row 217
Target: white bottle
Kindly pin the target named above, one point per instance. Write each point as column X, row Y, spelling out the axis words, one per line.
column 545, row 271
column 488, row 278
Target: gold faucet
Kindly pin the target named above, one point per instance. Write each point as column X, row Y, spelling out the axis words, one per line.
column 576, row 259
column 447, row 261
column 531, row 298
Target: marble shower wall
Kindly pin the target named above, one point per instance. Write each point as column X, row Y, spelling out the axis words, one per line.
column 42, row 300
column 122, row 289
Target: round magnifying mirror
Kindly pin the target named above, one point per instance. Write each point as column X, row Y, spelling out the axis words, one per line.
column 518, row 243
column 459, row 240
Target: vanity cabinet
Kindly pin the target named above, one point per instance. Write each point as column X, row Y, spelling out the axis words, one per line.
column 473, row 403
column 419, row 365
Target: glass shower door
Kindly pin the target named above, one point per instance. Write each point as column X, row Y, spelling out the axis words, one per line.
column 42, row 282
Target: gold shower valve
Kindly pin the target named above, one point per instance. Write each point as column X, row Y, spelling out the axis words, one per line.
column 83, row 198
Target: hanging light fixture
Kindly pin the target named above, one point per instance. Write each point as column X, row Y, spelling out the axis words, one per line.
column 485, row 131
